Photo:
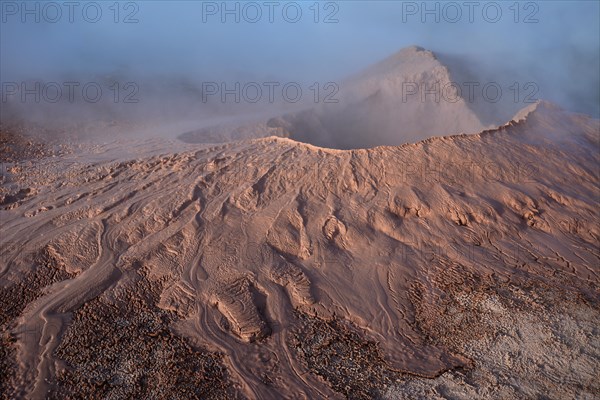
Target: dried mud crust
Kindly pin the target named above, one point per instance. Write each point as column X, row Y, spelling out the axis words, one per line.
column 20, row 142
column 337, row 352
column 524, row 340
column 21, row 149
column 14, row 297
column 15, row 147
column 7, row 365
column 124, row 349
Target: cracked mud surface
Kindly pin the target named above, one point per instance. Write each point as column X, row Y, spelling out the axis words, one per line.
column 123, row 348
column 342, row 356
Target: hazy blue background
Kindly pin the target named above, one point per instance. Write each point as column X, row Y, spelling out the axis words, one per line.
column 560, row 52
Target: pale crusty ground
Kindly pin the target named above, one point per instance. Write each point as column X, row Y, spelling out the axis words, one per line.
column 525, row 341
column 394, row 255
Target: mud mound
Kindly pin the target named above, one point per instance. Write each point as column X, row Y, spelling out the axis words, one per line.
column 243, row 235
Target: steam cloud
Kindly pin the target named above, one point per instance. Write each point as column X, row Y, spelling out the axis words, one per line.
column 162, row 53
